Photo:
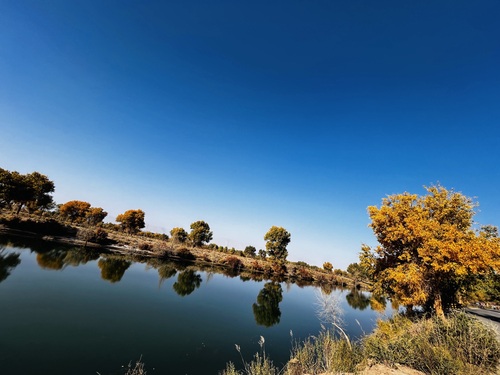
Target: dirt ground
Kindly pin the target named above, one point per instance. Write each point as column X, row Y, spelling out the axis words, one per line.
column 385, row 370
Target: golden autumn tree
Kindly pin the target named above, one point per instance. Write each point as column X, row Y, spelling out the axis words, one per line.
column 95, row 216
column 132, row 220
column 74, row 211
column 429, row 249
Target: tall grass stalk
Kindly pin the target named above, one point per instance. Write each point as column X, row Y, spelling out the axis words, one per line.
column 137, row 369
column 259, row 365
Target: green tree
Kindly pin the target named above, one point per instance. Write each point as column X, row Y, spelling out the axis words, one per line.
column 277, row 240
column 327, row 266
column 262, row 254
column 75, row 211
column 250, row 251
column 267, row 310
column 40, row 188
column 6, row 188
column 32, row 190
column 428, row 248
column 355, row 270
column 131, row 221
column 14, row 189
column 179, row 235
column 200, row 233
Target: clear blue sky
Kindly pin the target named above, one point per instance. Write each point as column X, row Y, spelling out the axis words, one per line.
column 248, row 114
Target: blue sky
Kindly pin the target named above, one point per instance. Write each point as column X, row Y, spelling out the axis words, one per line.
column 251, row 114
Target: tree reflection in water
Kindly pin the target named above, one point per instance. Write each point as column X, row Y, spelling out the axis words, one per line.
column 58, row 258
column 8, row 261
column 52, row 260
column 357, row 300
column 78, row 256
column 187, row 282
column 113, row 269
column 378, row 303
column 267, row 311
column 166, row 271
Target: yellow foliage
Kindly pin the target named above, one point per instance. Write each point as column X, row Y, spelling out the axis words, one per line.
column 428, row 246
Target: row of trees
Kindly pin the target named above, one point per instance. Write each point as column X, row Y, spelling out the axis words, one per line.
column 33, row 191
column 277, row 239
column 132, row 221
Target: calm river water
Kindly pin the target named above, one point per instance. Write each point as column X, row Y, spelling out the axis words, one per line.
column 63, row 311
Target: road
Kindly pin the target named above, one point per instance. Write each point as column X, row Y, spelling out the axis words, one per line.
column 490, row 317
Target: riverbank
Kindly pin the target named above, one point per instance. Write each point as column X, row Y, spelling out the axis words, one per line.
column 143, row 246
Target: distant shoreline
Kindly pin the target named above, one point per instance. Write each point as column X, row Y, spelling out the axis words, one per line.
column 138, row 246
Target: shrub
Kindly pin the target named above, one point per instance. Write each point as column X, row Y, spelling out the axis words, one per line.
column 100, row 235
column 97, row 235
column 49, row 227
column 145, row 246
column 184, row 253
column 255, row 265
column 250, row 251
column 304, row 274
column 279, row 269
column 233, row 262
column 457, row 345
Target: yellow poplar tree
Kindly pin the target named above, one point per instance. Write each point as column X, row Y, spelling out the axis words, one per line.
column 132, row 220
column 428, row 248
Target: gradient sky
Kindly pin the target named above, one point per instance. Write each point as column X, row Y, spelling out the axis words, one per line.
column 248, row 114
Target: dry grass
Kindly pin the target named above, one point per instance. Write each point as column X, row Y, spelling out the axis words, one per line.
column 137, row 369
column 458, row 345
column 259, row 365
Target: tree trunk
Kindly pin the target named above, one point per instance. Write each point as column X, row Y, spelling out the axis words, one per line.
column 438, row 305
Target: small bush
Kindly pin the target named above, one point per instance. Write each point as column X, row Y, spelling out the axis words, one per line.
column 184, row 253
column 255, row 265
column 233, row 262
column 145, row 246
column 95, row 235
column 278, row 269
column 304, row 274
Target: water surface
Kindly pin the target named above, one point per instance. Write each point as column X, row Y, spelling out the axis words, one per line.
column 65, row 311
